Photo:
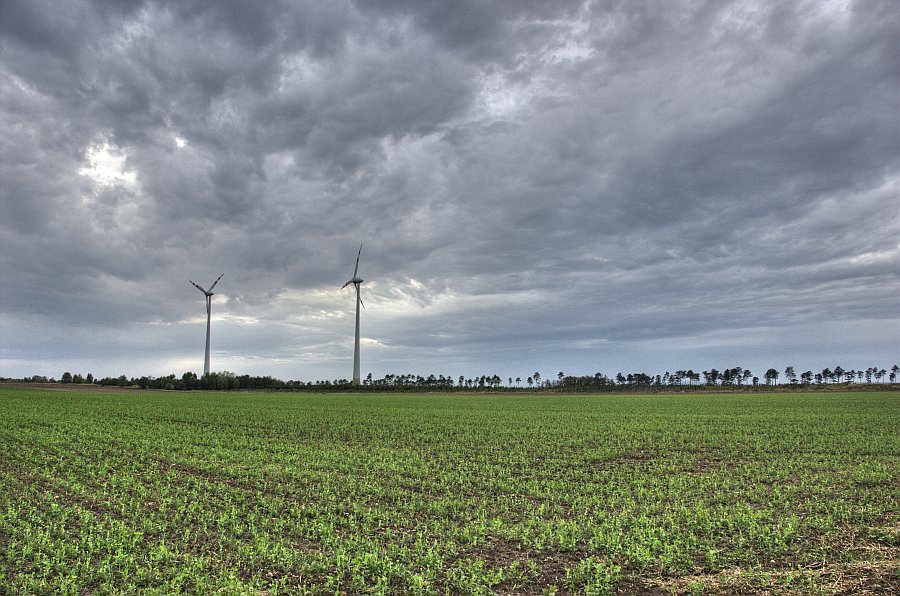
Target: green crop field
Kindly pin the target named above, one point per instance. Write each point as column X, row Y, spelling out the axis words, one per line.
column 429, row 494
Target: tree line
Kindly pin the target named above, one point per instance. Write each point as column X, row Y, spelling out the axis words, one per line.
column 727, row 377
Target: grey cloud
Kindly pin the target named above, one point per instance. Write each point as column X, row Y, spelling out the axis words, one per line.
column 533, row 182
column 479, row 31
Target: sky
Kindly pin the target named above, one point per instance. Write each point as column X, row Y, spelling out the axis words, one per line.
column 566, row 186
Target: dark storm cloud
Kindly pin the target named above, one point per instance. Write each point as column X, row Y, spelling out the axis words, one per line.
column 585, row 182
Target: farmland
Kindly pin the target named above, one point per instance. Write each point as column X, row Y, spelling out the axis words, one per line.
column 285, row 493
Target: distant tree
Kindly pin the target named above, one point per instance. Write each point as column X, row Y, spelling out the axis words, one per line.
column 790, row 375
column 530, row 381
column 560, row 376
column 806, row 377
column 771, row 377
column 837, row 374
column 537, row 378
column 518, row 380
column 641, row 379
column 89, row 379
column 66, row 377
column 727, row 376
column 620, row 378
column 189, row 381
column 894, row 370
column 692, row 377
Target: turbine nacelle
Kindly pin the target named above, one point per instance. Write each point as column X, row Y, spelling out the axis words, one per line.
column 355, row 280
column 208, row 292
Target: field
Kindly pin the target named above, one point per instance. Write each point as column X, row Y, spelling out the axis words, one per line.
column 284, row 493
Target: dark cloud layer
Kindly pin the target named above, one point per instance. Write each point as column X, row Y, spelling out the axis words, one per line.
column 578, row 186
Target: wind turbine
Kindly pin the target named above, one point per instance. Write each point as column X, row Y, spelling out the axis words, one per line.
column 355, row 280
column 209, row 294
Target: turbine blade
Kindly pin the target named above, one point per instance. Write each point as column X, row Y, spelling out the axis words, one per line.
column 361, row 302
column 214, row 283
column 198, row 287
column 355, row 269
column 346, row 284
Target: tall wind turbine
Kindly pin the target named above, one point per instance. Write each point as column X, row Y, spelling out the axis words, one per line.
column 209, row 294
column 355, row 280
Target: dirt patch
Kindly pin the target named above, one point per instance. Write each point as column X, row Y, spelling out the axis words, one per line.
column 854, row 579
column 550, row 567
column 637, row 587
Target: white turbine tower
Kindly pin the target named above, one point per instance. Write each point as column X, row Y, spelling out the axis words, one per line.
column 209, row 294
column 355, row 280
